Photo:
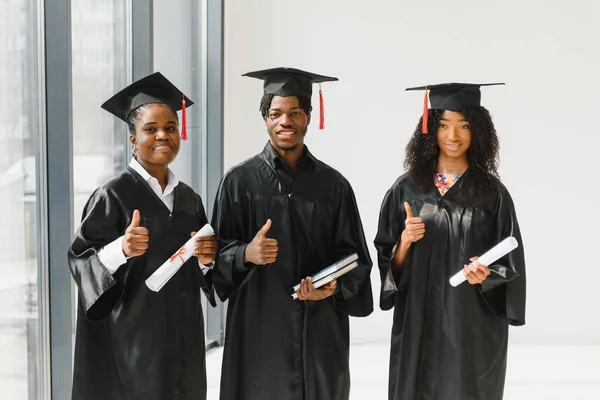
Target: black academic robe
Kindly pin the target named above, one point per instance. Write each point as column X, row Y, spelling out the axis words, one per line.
column 133, row 343
column 450, row 343
column 277, row 347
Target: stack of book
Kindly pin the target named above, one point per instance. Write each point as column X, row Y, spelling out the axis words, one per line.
column 332, row 272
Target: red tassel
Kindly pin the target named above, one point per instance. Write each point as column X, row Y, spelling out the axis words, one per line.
column 425, row 113
column 322, row 109
column 183, row 119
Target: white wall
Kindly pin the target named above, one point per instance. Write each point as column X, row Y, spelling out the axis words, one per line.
column 548, row 55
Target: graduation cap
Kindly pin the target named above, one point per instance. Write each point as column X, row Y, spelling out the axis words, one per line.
column 292, row 82
column 451, row 96
column 154, row 88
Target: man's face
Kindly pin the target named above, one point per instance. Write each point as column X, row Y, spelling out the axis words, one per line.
column 286, row 123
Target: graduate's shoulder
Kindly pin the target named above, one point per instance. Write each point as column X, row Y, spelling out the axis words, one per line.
column 188, row 198
column 500, row 186
column 241, row 172
column 493, row 195
column 402, row 189
column 402, row 182
column 503, row 193
column 330, row 175
column 244, row 178
column 186, row 190
column 402, row 186
column 496, row 187
column 123, row 182
column 118, row 187
column 127, row 184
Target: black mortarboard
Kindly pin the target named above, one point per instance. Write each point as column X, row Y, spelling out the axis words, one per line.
column 451, row 96
column 154, row 88
column 292, row 82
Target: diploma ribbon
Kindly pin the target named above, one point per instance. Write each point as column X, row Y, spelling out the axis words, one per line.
column 179, row 253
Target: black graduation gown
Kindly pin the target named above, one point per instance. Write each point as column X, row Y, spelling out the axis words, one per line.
column 450, row 343
column 133, row 343
column 277, row 347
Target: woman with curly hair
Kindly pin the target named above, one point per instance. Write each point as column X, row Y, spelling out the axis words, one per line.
column 450, row 343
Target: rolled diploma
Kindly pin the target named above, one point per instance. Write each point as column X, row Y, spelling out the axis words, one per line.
column 491, row 256
column 166, row 271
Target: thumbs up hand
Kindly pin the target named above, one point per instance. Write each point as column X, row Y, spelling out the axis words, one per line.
column 414, row 229
column 262, row 250
column 135, row 242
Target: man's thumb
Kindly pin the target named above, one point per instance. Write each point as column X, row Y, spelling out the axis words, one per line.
column 263, row 231
column 135, row 219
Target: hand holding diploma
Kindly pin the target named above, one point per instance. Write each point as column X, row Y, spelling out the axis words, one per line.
column 166, row 271
column 476, row 272
column 206, row 248
column 478, row 269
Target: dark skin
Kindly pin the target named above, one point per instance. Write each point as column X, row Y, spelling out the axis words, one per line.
column 206, row 249
column 287, row 125
column 156, row 140
column 454, row 139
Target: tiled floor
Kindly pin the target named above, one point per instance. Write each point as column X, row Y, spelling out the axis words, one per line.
column 534, row 372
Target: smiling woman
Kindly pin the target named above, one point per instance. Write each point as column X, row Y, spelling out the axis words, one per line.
column 446, row 210
column 132, row 342
column 154, row 130
column 453, row 136
column 465, row 137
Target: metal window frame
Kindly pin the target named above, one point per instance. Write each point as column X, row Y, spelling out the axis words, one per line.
column 142, row 44
column 142, row 38
column 207, row 168
column 56, row 193
column 43, row 373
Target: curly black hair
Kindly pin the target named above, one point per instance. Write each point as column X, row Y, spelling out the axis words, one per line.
column 422, row 151
column 265, row 104
column 135, row 114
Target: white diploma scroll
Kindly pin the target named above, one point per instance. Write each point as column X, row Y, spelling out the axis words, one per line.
column 491, row 256
column 166, row 271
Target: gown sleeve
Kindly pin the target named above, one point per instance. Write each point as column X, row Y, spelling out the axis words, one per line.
column 230, row 272
column 102, row 223
column 355, row 295
column 391, row 224
column 505, row 288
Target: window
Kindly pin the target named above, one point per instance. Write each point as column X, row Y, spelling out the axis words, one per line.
column 100, row 68
column 20, row 105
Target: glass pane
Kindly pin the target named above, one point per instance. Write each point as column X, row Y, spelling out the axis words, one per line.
column 100, row 68
column 20, row 116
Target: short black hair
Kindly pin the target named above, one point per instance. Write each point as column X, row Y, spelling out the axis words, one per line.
column 265, row 104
